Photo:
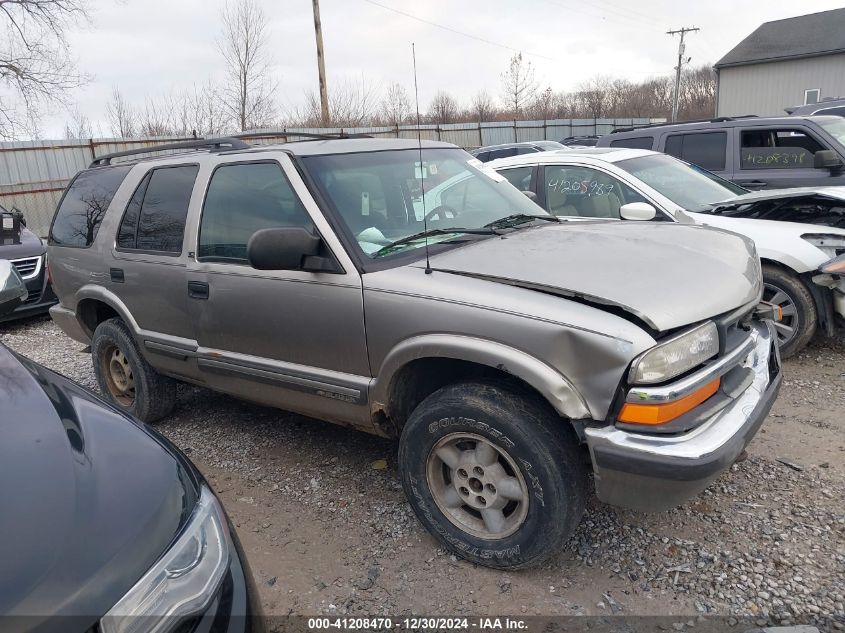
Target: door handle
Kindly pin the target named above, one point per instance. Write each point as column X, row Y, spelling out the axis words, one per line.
column 198, row 290
column 755, row 183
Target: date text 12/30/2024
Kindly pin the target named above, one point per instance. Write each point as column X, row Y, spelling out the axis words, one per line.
column 417, row 624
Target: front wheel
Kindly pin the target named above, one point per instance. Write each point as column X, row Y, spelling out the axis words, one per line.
column 496, row 476
column 798, row 325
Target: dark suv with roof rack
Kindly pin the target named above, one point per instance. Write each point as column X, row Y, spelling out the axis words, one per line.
column 754, row 152
column 398, row 287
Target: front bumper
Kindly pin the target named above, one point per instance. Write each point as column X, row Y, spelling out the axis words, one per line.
column 655, row 472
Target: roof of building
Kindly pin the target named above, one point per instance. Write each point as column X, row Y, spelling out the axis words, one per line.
column 802, row 36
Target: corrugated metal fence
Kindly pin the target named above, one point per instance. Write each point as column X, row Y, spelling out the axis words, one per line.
column 33, row 174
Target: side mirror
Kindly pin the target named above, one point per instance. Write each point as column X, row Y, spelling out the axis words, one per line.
column 637, row 211
column 12, row 288
column 827, row 159
column 288, row 248
column 531, row 195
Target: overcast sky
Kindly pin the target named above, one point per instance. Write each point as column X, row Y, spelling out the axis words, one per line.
column 149, row 47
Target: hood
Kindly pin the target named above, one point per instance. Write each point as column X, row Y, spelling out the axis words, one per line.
column 90, row 498
column 27, row 244
column 829, row 193
column 822, row 206
column 667, row 275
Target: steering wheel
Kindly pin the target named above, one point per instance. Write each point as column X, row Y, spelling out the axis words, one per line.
column 441, row 212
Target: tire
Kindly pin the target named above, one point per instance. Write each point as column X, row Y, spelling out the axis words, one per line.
column 534, row 448
column 125, row 378
column 799, row 310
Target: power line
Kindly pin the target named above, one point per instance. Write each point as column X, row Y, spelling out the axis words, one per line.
column 617, row 20
column 457, row 32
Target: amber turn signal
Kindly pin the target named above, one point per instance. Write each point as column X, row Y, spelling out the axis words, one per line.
column 652, row 414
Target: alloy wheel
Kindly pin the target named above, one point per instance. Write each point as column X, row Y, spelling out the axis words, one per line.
column 477, row 486
column 787, row 327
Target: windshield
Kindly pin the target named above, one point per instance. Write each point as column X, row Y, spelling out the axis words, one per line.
column 688, row 186
column 379, row 197
column 836, row 128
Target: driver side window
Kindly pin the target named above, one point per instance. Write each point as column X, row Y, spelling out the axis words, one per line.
column 585, row 192
column 241, row 199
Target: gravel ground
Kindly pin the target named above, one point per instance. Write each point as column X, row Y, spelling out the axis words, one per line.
column 325, row 525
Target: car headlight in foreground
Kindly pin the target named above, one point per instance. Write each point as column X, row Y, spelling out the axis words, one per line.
column 183, row 582
column 676, row 355
column 830, row 245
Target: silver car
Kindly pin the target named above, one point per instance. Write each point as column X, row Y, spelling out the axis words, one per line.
column 509, row 351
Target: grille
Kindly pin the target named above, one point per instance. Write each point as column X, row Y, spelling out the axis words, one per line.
column 28, row 268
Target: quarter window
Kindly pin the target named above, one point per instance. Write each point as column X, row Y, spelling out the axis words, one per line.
column 637, row 142
column 519, row 177
column 777, row 149
column 154, row 219
column 241, row 199
column 707, row 150
column 84, row 206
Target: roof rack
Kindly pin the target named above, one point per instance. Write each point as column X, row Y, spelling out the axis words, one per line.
column 212, row 144
column 306, row 135
column 720, row 119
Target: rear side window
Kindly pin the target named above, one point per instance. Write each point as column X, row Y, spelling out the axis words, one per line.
column 155, row 216
column 705, row 149
column 502, row 153
column 84, row 206
column 637, row 142
column 244, row 198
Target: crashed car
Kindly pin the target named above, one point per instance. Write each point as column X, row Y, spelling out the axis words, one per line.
column 510, row 352
column 796, row 231
column 27, row 253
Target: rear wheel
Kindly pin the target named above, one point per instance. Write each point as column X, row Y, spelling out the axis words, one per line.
column 798, row 324
column 496, row 476
column 126, row 378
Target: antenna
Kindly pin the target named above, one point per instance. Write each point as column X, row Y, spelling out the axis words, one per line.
column 419, row 145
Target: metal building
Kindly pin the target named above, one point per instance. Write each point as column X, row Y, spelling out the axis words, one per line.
column 784, row 63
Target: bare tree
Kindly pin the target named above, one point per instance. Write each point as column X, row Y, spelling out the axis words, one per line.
column 244, row 44
column 444, row 108
column 518, row 85
column 156, row 118
column 482, row 108
column 79, row 126
column 395, row 106
column 351, row 104
column 594, row 95
column 36, row 69
column 120, row 115
column 698, row 93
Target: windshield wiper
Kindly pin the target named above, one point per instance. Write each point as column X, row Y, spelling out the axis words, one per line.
column 487, row 230
column 516, row 219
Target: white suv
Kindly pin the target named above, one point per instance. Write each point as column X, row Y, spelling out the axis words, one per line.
column 796, row 231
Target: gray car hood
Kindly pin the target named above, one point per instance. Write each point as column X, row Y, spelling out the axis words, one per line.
column 667, row 275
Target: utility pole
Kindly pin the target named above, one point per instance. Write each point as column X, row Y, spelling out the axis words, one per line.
column 321, row 65
column 677, row 94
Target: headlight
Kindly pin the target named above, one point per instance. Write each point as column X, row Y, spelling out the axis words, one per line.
column 182, row 582
column 677, row 355
column 830, row 245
